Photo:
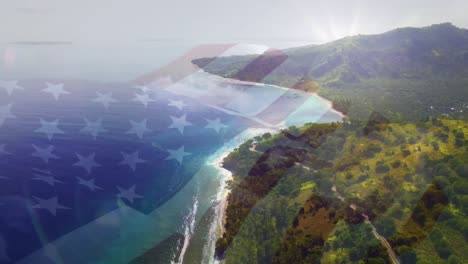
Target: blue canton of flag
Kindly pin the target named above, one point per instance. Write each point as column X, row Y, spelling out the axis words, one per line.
column 78, row 158
column 72, row 151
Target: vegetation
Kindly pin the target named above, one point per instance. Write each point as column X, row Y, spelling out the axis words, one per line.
column 399, row 159
column 408, row 73
column 301, row 196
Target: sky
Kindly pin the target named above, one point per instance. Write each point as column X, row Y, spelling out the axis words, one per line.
column 118, row 40
column 259, row 21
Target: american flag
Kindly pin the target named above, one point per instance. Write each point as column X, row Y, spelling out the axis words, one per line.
column 86, row 167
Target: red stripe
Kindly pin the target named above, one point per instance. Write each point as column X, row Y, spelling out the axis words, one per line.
column 283, row 107
column 262, row 66
column 183, row 66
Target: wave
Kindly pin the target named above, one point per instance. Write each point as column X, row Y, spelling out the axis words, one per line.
column 220, row 199
column 189, row 228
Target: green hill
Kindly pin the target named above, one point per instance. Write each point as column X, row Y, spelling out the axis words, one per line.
column 409, row 72
column 303, row 195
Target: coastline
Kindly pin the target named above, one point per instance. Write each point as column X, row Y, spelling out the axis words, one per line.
column 259, row 84
column 223, row 190
column 217, row 227
column 223, row 203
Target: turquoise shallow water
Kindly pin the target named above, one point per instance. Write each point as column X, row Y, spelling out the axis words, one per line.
column 193, row 211
column 310, row 112
column 205, row 230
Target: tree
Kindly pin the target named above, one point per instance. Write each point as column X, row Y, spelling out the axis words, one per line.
column 407, row 255
column 376, row 261
column 386, row 227
column 267, row 136
column 221, row 246
column 453, row 260
column 381, row 167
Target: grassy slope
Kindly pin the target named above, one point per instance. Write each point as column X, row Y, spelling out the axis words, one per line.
column 405, row 176
column 401, row 72
column 389, row 197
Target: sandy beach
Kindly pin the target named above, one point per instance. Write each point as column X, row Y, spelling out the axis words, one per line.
column 217, row 226
column 223, row 194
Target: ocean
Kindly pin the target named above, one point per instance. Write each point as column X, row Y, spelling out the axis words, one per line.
column 178, row 218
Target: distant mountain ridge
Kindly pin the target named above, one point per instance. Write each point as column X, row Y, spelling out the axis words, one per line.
column 403, row 63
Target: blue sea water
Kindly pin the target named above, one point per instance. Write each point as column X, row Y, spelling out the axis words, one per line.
column 101, row 228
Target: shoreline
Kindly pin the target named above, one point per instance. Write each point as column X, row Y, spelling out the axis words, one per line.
column 217, row 229
column 259, row 84
column 224, row 192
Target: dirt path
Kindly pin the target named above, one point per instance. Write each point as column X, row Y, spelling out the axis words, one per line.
column 393, row 256
column 391, row 253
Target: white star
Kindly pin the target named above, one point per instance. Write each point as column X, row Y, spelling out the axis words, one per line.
column 104, row 99
column 143, row 98
column 55, row 89
column 45, row 154
column 138, row 128
column 42, row 171
column 179, row 104
column 49, row 128
column 93, row 128
column 129, row 194
column 3, row 151
column 180, row 123
column 177, row 154
column 10, row 86
column 5, row 112
column 131, row 160
column 87, row 163
column 47, row 179
column 143, row 88
column 215, row 124
column 50, row 205
column 88, row 183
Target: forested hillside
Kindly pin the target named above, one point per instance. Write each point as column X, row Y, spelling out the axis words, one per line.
column 407, row 73
column 304, row 195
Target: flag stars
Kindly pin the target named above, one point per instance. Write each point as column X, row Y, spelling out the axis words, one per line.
column 87, row 163
column 43, row 171
column 47, row 179
column 143, row 98
column 3, row 151
column 179, row 123
column 56, row 90
column 215, row 124
column 93, row 128
column 177, row 154
column 51, row 205
column 139, row 128
column 128, row 194
column 142, row 88
column 131, row 160
column 5, row 113
column 178, row 104
column 10, row 86
column 105, row 99
column 45, row 154
column 88, row 184
column 49, row 128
